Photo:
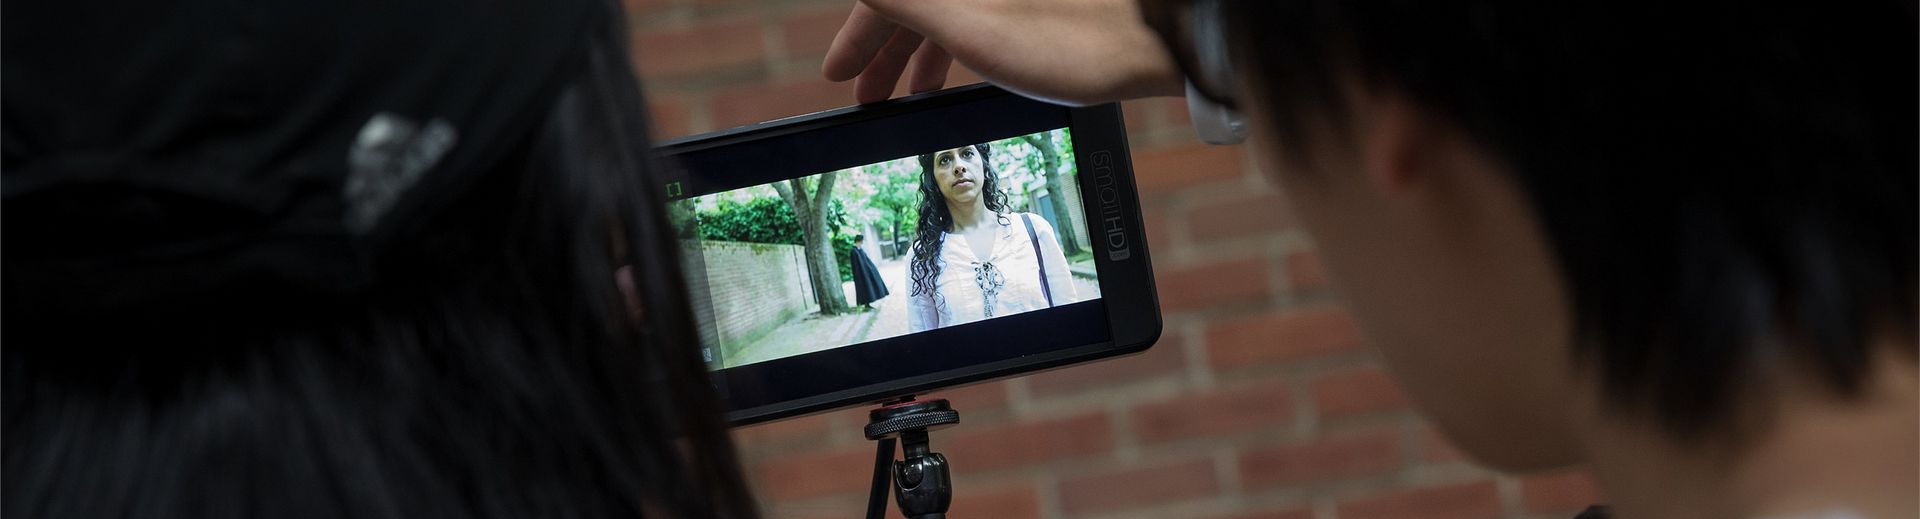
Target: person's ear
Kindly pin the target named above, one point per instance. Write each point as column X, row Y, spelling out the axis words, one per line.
column 1394, row 137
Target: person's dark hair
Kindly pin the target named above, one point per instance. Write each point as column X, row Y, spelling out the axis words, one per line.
column 935, row 219
column 500, row 376
column 1729, row 189
column 857, row 238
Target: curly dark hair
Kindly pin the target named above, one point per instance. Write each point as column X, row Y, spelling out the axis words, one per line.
column 935, row 219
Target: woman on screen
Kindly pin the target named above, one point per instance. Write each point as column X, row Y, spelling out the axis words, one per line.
column 973, row 259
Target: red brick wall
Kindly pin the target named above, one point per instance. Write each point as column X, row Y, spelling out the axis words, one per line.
column 1259, row 402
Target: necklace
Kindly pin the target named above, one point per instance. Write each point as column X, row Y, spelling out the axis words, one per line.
column 990, row 281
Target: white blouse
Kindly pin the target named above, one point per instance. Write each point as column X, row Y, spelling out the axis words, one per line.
column 1007, row 282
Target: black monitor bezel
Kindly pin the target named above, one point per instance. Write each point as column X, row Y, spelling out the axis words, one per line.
column 1109, row 197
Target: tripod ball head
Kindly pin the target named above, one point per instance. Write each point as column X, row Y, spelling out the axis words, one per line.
column 922, row 483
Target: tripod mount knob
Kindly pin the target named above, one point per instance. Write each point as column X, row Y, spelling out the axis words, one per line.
column 924, row 416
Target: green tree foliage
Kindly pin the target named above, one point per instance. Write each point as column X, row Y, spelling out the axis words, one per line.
column 770, row 220
column 762, row 220
column 1023, row 166
column 885, row 196
column 759, row 220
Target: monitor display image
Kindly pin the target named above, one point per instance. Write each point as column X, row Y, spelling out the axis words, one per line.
column 943, row 238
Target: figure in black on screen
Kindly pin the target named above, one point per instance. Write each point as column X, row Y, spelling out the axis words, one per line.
column 867, row 285
column 973, row 259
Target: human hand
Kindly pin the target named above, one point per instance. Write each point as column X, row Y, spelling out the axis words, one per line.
column 1072, row 51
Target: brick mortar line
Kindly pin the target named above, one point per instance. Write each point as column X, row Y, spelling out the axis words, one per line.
column 1157, row 389
column 1126, row 445
column 1226, row 310
column 1046, row 488
column 1256, row 439
column 1306, row 414
column 1279, row 284
column 1192, row 507
column 1376, row 423
column 1508, row 491
column 707, row 80
column 1159, row 136
column 1323, row 509
column 1250, row 247
column 1333, row 492
column 682, row 14
column 1306, row 367
column 1102, row 465
column 1019, row 396
column 1199, row 369
column 773, row 39
column 1226, row 468
column 1176, row 232
column 1441, row 475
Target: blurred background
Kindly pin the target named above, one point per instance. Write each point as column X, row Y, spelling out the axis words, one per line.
column 1259, row 402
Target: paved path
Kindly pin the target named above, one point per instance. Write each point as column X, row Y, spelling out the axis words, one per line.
column 814, row 332
column 890, row 319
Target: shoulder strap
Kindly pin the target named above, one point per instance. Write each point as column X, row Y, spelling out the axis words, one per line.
column 1027, row 218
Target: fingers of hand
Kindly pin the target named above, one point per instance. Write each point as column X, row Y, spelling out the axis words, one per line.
column 883, row 72
column 930, row 66
column 858, row 42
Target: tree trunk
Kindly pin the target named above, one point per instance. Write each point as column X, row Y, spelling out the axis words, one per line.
column 893, row 239
column 811, row 211
column 1058, row 194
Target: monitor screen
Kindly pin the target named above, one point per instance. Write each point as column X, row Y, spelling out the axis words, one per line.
column 942, row 238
